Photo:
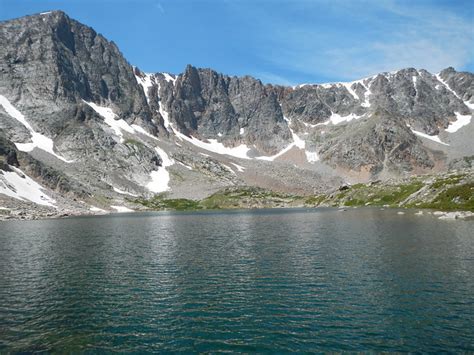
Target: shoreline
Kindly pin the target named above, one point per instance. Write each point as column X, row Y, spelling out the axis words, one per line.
column 439, row 214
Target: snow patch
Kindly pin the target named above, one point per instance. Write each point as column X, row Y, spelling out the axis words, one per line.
column 367, row 94
column 216, row 147
column 228, row 168
column 122, row 209
column 348, row 86
column 327, row 85
column 242, row 131
column 163, row 113
column 461, row 121
column 160, row 178
column 109, row 119
column 470, row 105
column 18, row 185
column 312, row 157
column 97, row 209
column 123, row 192
column 186, row 166
column 146, row 82
column 446, row 85
column 169, row 78
column 336, row 118
column 280, row 153
column 39, row 140
column 433, row 138
column 239, row 167
column 297, row 142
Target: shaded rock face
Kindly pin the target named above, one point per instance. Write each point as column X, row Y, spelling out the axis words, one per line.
column 462, row 83
column 8, row 152
column 53, row 62
column 209, row 105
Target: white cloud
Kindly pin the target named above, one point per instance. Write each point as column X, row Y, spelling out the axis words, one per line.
column 160, row 7
column 272, row 78
column 366, row 38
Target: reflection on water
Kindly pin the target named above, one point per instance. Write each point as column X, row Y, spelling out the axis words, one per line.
column 278, row 280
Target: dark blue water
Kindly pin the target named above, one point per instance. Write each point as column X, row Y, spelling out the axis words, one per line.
column 281, row 280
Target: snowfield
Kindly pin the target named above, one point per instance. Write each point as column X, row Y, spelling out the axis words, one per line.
column 160, row 178
column 18, row 185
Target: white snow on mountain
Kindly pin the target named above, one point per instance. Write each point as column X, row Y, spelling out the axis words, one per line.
column 348, row 86
column 39, row 140
column 146, row 82
column 427, row 136
column 212, row 145
column 122, row 209
column 169, row 78
column 160, row 178
column 97, row 209
column 164, row 114
column 461, row 121
column 109, row 119
column 446, row 85
column 18, row 185
column 336, row 118
column 297, row 142
column 312, row 157
column 122, row 192
column 239, row 167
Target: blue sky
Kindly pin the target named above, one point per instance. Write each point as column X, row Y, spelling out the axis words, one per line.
column 278, row 41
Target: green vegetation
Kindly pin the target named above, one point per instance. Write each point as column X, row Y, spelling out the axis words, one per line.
column 459, row 197
column 449, row 192
column 377, row 195
column 133, row 142
column 315, row 200
column 450, row 180
column 159, row 202
column 247, row 197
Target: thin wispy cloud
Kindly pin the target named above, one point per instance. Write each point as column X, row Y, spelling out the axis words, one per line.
column 160, row 7
column 349, row 40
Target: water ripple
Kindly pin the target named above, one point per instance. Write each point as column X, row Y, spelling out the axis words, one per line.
column 248, row 281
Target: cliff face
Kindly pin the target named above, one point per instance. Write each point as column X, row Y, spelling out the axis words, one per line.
column 71, row 103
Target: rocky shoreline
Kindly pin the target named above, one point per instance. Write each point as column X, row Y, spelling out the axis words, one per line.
column 16, row 215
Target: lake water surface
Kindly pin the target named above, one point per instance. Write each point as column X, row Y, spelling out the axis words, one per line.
column 266, row 280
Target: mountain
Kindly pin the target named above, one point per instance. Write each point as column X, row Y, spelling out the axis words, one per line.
column 81, row 129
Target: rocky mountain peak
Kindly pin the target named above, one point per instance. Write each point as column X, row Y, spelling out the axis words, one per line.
column 70, row 102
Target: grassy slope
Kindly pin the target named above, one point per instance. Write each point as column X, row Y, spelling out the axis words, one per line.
column 448, row 192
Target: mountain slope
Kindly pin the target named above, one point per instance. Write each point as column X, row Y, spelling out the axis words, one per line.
column 104, row 131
